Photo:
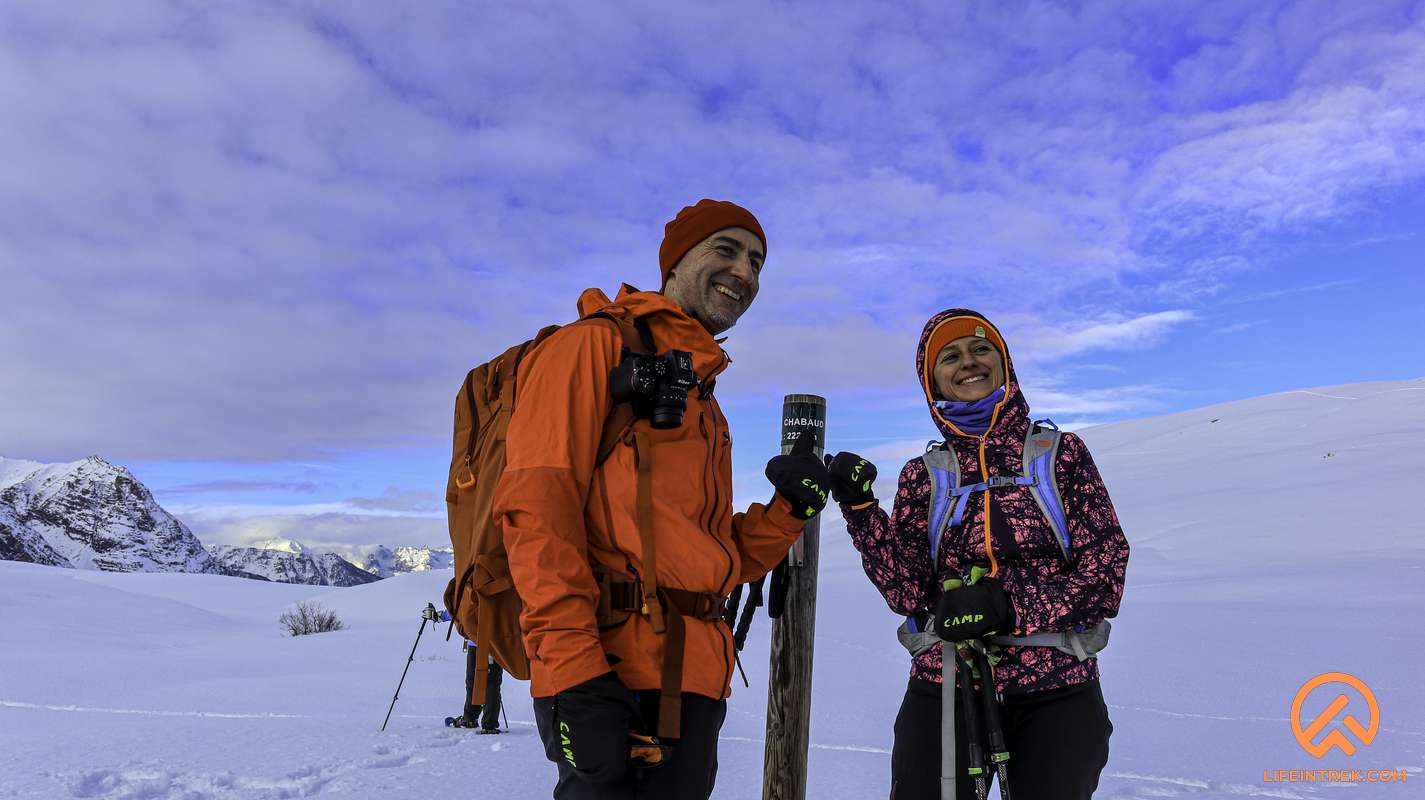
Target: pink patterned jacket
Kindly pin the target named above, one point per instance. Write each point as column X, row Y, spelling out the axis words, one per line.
column 1047, row 593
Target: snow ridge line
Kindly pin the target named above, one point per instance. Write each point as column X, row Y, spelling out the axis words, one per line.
column 149, row 712
column 1241, row 718
column 1321, row 394
column 843, row 748
column 849, row 748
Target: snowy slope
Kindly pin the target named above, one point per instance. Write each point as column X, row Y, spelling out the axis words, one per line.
column 14, row 470
column 98, row 516
column 1258, row 563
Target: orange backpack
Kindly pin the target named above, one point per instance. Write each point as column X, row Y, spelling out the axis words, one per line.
column 481, row 598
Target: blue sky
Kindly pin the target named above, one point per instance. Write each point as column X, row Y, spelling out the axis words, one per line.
column 251, row 251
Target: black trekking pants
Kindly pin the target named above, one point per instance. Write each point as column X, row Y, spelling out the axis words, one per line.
column 1057, row 742
column 489, row 713
column 689, row 775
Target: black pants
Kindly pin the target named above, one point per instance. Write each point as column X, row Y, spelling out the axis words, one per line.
column 489, row 714
column 1057, row 741
column 689, row 775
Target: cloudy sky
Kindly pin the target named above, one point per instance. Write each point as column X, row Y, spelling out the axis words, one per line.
column 250, row 251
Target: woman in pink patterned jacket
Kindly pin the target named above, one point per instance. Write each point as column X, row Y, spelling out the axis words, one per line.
column 1039, row 580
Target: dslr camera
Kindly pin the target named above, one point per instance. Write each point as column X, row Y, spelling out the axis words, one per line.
column 656, row 385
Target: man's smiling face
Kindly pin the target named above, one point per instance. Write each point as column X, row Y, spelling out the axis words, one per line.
column 717, row 280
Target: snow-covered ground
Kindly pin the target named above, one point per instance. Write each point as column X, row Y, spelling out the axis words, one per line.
column 1273, row 539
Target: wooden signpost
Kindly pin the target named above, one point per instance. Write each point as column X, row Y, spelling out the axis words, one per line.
column 784, row 769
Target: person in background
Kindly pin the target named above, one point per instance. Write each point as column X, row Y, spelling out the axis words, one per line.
column 486, row 715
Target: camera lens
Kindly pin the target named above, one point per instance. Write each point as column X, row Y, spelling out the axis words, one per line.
column 669, row 407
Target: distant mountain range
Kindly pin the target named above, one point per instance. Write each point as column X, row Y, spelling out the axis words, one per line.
column 320, row 569
column 294, row 562
column 91, row 514
column 384, row 562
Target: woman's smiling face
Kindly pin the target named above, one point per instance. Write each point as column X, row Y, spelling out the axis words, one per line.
column 968, row 369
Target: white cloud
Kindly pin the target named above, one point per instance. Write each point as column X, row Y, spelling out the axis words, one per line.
column 321, row 531
column 1094, row 403
column 1038, row 342
column 1238, row 327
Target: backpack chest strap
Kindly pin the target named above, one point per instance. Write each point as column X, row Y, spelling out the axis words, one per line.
column 949, row 499
column 960, row 494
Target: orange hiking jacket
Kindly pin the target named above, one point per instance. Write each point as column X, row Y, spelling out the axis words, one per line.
column 560, row 513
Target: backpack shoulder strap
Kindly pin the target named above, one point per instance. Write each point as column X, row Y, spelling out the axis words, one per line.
column 944, row 470
column 1041, row 450
column 663, row 617
column 637, row 338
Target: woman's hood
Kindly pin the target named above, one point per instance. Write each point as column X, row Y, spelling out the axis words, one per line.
column 945, row 327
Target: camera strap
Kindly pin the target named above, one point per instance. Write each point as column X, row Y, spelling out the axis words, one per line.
column 646, row 334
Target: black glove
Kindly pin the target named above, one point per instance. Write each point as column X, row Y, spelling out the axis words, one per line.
column 592, row 721
column 800, row 477
column 430, row 613
column 851, row 478
column 973, row 608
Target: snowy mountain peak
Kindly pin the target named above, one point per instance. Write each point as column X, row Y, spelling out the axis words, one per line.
column 92, row 515
column 280, row 545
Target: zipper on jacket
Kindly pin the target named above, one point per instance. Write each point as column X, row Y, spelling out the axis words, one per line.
column 717, row 496
column 712, row 517
column 710, row 477
column 984, row 477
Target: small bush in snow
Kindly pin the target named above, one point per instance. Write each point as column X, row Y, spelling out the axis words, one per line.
column 308, row 618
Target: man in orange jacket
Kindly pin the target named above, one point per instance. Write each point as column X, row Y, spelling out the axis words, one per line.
column 622, row 558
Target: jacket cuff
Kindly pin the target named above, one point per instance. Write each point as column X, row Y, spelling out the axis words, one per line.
column 781, row 514
column 850, row 512
column 555, row 678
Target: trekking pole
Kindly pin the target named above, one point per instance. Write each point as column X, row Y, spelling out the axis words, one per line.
column 999, row 754
column 409, row 659
column 744, row 624
column 729, row 611
column 506, row 716
column 974, row 745
column 789, row 676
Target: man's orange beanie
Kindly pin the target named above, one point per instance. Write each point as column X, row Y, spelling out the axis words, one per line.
column 699, row 221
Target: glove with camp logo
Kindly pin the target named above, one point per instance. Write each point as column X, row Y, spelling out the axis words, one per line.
column 851, row 478
column 973, row 607
column 592, row 722
column 800, row 477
